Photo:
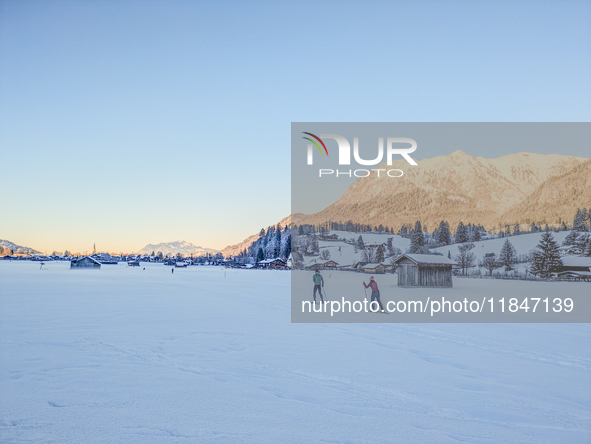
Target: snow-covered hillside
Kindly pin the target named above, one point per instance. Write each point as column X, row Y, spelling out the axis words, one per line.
column 344, row 253
column 523, row 244
column 123, row 355
column 7, row 245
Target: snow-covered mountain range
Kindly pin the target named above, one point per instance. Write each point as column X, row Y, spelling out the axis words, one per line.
column 7, row 245
column 176, row 247
column 460, row 187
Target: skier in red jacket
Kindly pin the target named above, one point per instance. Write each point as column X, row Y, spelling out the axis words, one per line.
column 375, row 293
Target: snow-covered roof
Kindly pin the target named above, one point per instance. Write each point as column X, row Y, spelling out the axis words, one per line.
column 325, row 262
column 268, row 261
column 86, row 257
column 576, row 261
column 372, row 265
column 428, row 259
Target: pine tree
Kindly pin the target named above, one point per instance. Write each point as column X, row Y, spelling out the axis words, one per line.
column 516, row 230
column 443, row 234
column 461, row 234
column 360, row 243
column 477, row 235
column 546, row 257
column 380, row 254
column 508, row 255
column 571, row 239
column 260, row 255
column 417, row 239
column 582, row 242
column 390, row 246
column 287, row 247
column 579, row 221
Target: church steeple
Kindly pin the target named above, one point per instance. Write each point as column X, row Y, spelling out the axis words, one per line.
column 94, row 248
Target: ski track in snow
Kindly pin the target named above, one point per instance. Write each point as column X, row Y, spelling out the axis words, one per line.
column 122, row 355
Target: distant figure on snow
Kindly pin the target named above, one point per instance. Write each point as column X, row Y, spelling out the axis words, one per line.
column 172, row 270
column 375, row 293
column 318, row 280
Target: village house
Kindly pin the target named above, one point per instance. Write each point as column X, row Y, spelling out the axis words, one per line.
column 372, row 268
column 323, row 265
column 575, row 268
column 273, row 264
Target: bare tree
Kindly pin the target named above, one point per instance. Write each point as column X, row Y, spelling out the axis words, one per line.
column 490, row 263
column 369, row 254
column 465, row 258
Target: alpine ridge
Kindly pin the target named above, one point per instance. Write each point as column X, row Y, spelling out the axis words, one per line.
column 456, row 187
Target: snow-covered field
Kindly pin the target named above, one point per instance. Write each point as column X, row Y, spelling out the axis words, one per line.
column 123, row 355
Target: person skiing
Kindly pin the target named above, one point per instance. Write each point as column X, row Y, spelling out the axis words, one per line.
column 375, row 293
column 172, row 270
column 318, row 280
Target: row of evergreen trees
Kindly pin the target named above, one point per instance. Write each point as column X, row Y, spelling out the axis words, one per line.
column 443, row 234
column 272, row 243
column 582, row 220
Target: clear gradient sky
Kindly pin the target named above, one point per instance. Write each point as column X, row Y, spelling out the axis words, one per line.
column 133, row 122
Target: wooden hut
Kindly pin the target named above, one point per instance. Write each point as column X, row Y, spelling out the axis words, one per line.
column 424, row 270
column 85, row 262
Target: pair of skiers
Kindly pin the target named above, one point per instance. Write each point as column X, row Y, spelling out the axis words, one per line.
column 375, row 292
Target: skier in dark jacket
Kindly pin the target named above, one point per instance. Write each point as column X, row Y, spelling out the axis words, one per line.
column 375, row 293
column 318, row 280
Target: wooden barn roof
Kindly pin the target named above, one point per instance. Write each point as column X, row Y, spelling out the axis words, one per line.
column 427, row 259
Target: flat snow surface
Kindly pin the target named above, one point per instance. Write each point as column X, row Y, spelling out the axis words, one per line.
column 126, row 355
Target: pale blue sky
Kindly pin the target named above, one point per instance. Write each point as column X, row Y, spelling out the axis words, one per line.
column 132, row 122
